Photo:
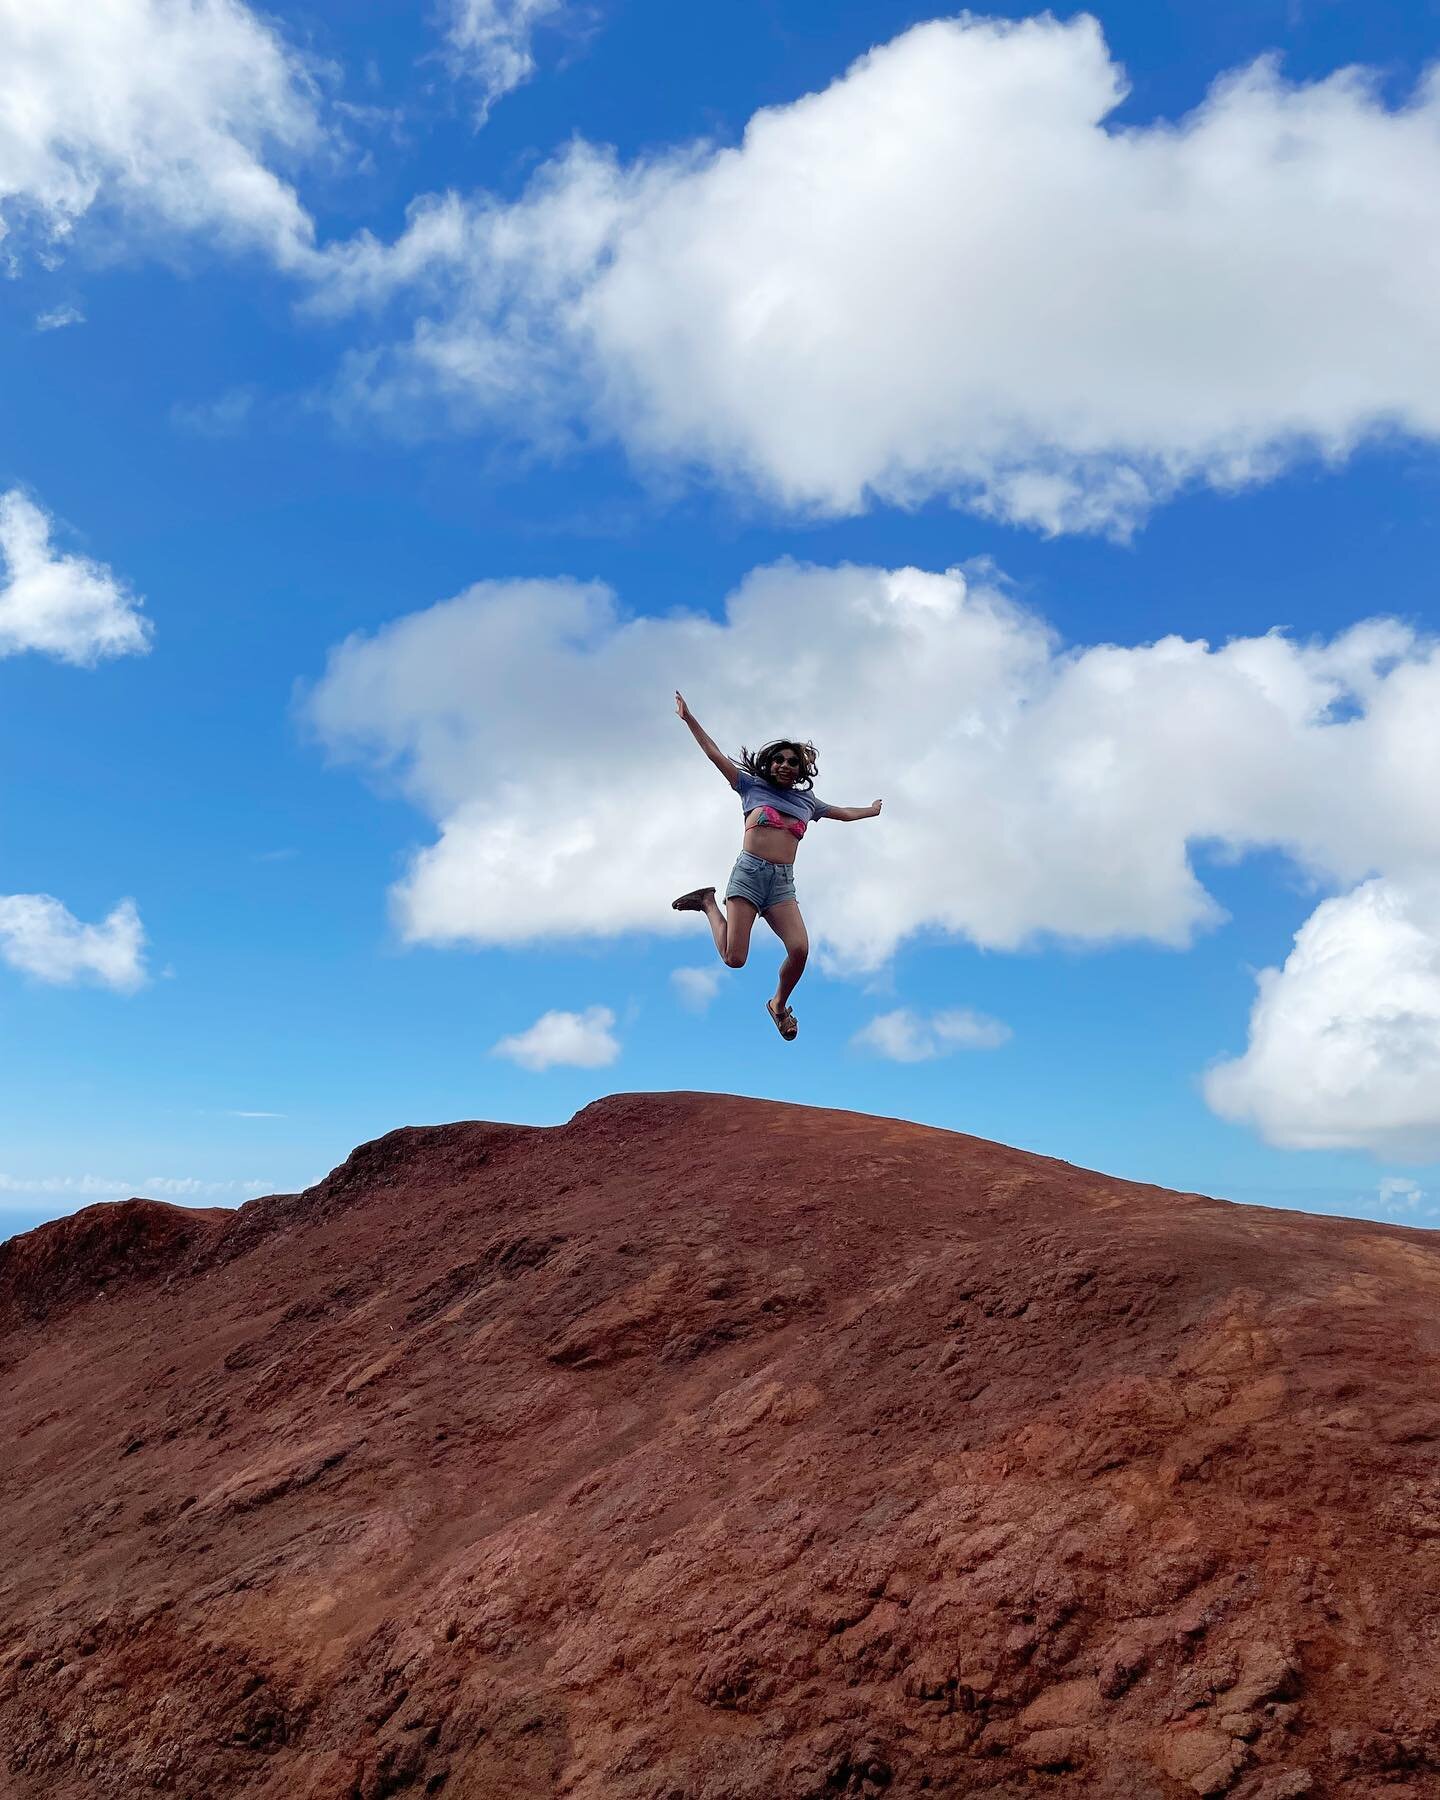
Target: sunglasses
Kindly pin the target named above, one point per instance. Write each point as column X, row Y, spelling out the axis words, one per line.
column 784, row 762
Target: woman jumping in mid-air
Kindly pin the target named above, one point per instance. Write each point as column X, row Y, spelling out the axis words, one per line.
column 774, row 786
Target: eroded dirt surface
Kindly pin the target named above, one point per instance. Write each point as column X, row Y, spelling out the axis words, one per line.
column 713, row 1449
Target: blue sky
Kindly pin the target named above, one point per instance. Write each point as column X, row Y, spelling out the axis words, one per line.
column 1131, row 372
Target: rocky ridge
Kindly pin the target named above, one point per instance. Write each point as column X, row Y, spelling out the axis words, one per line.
column 714, row 1449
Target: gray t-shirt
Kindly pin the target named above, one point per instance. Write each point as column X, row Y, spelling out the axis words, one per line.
column 795, row 803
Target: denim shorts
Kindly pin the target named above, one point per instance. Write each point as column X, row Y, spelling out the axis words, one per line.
column 763, row 883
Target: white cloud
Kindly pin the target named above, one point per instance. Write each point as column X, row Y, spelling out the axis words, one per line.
column 1344, row 1047
column 490, row 43
column 41, row 938
column 577, row 1040
column 63, row 606
column 88, row 1188
column 166, row 110
column 1397, row 1197
column 1029, row 789
column 905, row 1036
column 947, row 275
column 191, row 1187
column 695, row 988
column 57, row 317
column 74, row 609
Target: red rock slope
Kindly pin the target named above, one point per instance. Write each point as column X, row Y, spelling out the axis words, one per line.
column 712, row 1449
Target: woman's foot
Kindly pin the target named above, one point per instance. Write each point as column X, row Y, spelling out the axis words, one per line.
column 694, row 901
column 785, row 1021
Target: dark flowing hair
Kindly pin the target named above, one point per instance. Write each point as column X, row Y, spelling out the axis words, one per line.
column 760, row 761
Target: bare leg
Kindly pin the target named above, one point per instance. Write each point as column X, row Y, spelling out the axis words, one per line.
column 731, row 926
column 785, row 921
column 719, row 923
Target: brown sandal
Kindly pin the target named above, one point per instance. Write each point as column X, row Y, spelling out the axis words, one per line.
column 785, row 1021
column 694, row 901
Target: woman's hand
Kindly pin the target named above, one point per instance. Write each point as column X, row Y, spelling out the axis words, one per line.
column 680, row 707
column 875, row 806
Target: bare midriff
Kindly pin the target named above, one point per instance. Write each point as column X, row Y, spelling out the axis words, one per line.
column 769, row 841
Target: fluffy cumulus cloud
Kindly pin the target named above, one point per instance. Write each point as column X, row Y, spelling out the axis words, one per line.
column 41, row 938
column 950, row 274
column 62, row 606
column 489, row 43
column 170, row 111
column 1030, row 789
column 905, row 1036
column 76, row 610
column 1344, row 1048
column 584, row 1040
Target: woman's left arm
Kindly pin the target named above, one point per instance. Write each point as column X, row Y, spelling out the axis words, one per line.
column 848, row 814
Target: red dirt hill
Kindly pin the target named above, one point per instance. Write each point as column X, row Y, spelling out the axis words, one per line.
column 713, row 1449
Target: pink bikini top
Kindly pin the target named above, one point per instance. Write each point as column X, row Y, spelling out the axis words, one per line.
column 796, row 827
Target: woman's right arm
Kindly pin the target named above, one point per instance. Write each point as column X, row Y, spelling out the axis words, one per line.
column 702, row 737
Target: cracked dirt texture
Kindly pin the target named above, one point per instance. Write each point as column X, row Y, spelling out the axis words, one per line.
column 715, row 1449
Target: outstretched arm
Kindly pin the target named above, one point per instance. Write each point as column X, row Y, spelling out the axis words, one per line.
column 848, row 814
column 702, row 737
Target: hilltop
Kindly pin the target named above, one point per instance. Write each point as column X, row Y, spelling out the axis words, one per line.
column 707, row 1448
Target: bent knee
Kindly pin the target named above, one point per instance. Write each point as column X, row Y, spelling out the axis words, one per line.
column 735, row 959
